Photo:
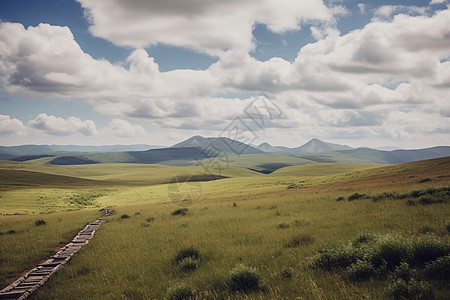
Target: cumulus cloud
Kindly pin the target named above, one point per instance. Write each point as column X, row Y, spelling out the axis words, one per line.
column 335, row 85
column 209, row 26
column 123, row 128
column 10, row 126
column 59, row 126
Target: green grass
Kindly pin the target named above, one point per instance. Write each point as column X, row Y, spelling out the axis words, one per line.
column 134, row 258
column 33, row 241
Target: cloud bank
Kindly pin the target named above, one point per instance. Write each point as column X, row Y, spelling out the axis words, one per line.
column 389, row 79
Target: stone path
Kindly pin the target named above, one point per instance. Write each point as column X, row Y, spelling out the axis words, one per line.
column 26, row 285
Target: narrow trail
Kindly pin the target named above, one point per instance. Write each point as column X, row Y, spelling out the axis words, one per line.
column 28, row 284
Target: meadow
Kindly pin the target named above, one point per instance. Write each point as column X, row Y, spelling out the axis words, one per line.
column 249, row 235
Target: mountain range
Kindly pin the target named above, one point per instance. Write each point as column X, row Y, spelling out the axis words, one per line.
column 198, row 149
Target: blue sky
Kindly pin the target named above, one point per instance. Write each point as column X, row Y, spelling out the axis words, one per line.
column 362, row 73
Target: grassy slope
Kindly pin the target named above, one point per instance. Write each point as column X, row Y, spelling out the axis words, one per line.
column 121, row 264
column 141, row 264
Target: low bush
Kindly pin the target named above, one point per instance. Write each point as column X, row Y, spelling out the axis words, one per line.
column 356, row 196
column 189, row 252
column 188, row 264
column 180, row 211
column 12, row 231
column 282, row 226
column 340, row 198
column 244, row 278
column 427, row 249
column 125, row 216
column 424, row 180
column 151, row 219
column 419, row 290
column 360, row 270
column 438, row 269
column 39, row 222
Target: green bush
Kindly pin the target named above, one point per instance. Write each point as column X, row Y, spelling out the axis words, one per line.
column 389, row 252
column 188, row 264
column 244, row 278
column 424, row 180
column 410, row 202
column 356, row 196
column 438, row 269
column 360, row 270
column 400, row 289
column 39, row 222
column 426, row 250
column 180, row 211
column 282, row 226
column 189, row 252
column 329, row 258
column 180, row 292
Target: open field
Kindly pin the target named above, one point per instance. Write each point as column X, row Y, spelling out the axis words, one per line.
column 275, row 223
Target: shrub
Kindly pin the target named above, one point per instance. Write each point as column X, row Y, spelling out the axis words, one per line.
column 413, row 289
column 189, row 252
column 299, row 240
column 137, row 213
column 447, row 227
column 180, row 292
column 124, row 216
column 426, row 250
column 438, row 269
column 329, row 258
column 424, row 180
column 389, row 252
column 234, row 204
column 283, row 225
column 188, row 264
column 180, row 211
column 151, row 219
column 356, row 196
column 410, row 202
column 340, row 198
column 360, row 270
column 244, row 278
column 39, row 222
column 12, row 231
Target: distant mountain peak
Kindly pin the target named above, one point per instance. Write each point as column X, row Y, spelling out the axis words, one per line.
column 315, row 146
column 218, row 143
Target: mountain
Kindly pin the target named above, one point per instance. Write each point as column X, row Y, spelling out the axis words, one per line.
column 28, row 152
column 317, row 146
column 313, row 146
column 218, row 144
column 266, row 147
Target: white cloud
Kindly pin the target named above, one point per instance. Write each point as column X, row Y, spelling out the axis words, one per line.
column 123, row 128
column 362, row 8
column 336, row 85
column 10, row 126
column 437, row 1
column 59, row 126
column 210, row 26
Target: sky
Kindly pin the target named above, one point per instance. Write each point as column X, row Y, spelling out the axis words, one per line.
column 362, row 73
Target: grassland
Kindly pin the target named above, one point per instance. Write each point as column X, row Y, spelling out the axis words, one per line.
column 275, row 223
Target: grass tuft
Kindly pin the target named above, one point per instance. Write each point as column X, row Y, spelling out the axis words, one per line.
column 244, row 278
